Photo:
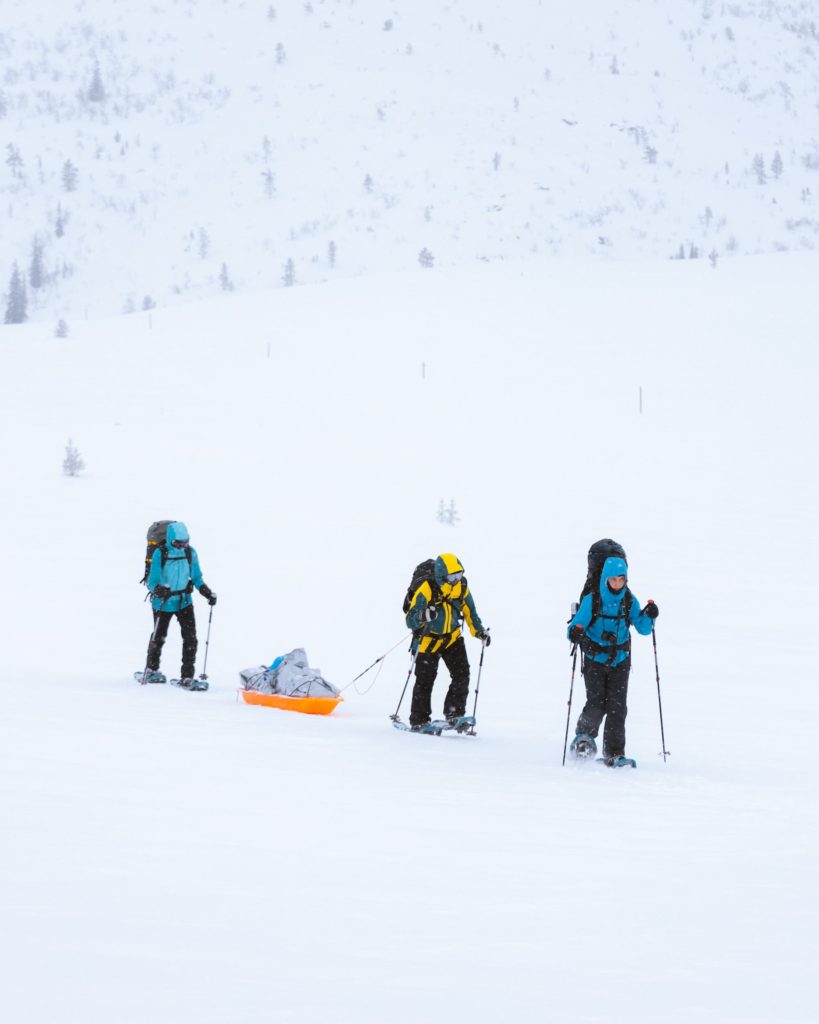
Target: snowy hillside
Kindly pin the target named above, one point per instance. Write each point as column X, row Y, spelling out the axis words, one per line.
column 151, row 158
column 175, row 857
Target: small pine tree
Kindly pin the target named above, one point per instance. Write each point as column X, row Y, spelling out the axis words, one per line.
column 70, row 176
column 148, row 303
column 496, row 161
column 447, row 514
column 61, row 330
column 14, row 160
column 269, row 183
column 425, row 258
column 225, row 282
column 60, row 222
column 281, row 56
column 96, row 90
column 331, row 255
column 73, row 463
column 271, row 13
column 203, row 244
column 289, row 276
column 36, row 270
column 776, row 165
column 17, row 304
column 368, row 184
column 759, row 168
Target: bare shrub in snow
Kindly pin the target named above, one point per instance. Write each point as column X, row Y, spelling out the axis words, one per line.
column 61, row 330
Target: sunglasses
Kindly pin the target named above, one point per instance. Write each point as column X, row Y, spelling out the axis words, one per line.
column 180, row 543
column 453, row 577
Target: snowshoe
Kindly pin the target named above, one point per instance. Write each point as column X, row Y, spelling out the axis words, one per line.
column 462, row 724
column 583, row 746
column 618, row 762
column 191, row 684
column 148, row 676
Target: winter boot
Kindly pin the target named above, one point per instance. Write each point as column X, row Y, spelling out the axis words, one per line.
column 583, row 746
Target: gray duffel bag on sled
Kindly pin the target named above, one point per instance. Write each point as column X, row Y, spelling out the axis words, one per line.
column 289, row 675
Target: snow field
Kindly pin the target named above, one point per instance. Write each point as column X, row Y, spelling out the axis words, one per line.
column 177, row 856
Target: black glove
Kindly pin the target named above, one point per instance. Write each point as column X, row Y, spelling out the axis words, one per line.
column 651, row 610
column 163, row 593
column 208, row 594
column 484, row 637
column 577, row 634
column 430, row 613
column 189, row 588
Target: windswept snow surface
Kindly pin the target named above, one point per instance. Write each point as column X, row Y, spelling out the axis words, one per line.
column 171, row 856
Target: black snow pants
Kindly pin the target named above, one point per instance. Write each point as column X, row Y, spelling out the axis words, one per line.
column 426, row 669
column 187, row 623
column 606, row 692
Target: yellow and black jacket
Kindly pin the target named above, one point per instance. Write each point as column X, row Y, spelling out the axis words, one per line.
column 455, row 606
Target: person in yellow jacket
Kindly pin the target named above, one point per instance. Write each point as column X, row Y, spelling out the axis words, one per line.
column 437, row 609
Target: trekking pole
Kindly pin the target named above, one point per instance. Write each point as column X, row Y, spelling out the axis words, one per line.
column 423, row 633
column 204, row 674
column 569, row 712
column 153, row 637
column 659, row 697
column 394, row 716
column 471, row 731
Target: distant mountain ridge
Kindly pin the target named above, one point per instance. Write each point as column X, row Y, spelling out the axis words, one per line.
column 151, row 156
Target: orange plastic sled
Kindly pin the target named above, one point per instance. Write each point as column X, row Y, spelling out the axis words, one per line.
column 306, row 705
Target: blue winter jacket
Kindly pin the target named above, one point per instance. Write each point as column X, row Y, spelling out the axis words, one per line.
column 177, row 571
column 611, row 618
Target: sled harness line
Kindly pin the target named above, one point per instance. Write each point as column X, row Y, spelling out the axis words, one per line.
column 352, row 682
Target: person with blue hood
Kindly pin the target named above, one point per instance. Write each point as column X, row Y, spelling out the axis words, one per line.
column 173, row 574
column 601, row 628
column 437, row 609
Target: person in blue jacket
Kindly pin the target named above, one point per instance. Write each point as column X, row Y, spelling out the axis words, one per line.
column 600, row 626
column 174, row 573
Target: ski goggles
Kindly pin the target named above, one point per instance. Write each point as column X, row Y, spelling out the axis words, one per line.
column 454, row 577
column 180, row 543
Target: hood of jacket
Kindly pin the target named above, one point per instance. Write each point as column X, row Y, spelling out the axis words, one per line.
column 444, row 565
column 178, row 532
column 613, row 567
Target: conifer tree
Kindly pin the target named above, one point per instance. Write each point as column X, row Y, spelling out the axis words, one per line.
column 17, row 304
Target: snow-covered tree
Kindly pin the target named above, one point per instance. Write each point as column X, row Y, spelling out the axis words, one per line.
column 331, row 255
column 289, row 276
column 759, row 168
column 73, row 463
column 96, row 90
column 425, row 258
column 225, row 282
column 776, row 164
column 17, row 301
column 61, row 330
column 70, row 176
column 60, row 219
column 14, row 160
column 36, row 270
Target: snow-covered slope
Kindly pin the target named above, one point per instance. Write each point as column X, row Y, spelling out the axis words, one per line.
column 152, row 158
column 173, row 857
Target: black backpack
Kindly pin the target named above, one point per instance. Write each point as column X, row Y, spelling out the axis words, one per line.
column 598, row 553
column 157, row 535
column 424, row 572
